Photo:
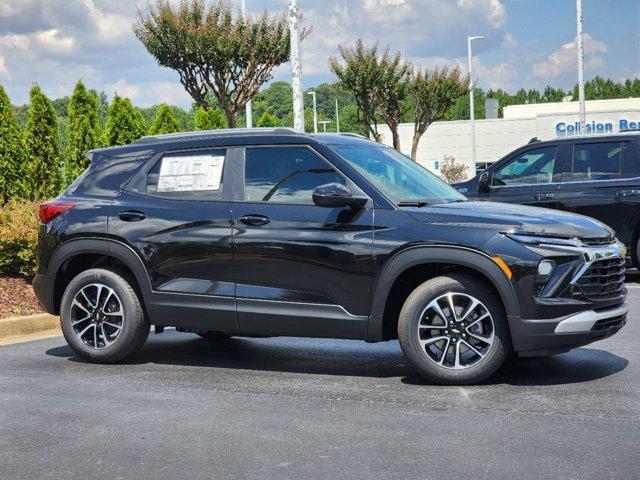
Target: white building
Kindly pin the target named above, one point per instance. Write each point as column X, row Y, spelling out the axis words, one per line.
column 497, row 137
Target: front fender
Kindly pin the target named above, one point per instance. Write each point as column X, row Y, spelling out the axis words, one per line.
column 451, row 255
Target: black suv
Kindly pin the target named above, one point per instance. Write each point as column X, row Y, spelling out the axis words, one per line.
column 274, row 232
column 598, row 176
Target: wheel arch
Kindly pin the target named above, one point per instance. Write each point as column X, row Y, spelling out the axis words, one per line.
column 79, row 254
column 431, row 258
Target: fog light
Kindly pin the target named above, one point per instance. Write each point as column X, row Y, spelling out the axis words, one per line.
column 545, row 267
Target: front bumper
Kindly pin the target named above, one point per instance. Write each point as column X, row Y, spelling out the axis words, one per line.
column 557, row 335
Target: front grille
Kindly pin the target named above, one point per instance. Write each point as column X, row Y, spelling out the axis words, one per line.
column 595, row 242
column 609, row 323
column 603, row 280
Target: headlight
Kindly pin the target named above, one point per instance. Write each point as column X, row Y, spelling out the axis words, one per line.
column 542, row 240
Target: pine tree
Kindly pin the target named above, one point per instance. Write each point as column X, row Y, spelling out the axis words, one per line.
column 125, row 123
column 164, row 122
column 212, row 119
column 268, row 120
column 82, row 130
column 43, row 146
column 12, row 155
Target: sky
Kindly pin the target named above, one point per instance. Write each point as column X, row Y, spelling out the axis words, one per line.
column 528, row 43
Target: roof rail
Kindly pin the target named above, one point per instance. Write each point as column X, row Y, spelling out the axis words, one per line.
column 216, row 133
column 534, row 140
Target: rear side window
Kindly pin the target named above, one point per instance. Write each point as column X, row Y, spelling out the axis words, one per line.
column 531, row 167
column 187, row 175
column 285, row 175
column 603, row 161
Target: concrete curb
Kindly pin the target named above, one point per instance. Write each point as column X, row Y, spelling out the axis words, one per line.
column 14, row 326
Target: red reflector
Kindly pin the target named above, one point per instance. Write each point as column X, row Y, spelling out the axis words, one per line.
column 50, row 210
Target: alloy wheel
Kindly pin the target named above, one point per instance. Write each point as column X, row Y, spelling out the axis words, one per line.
column 97, row 316
column 456, row 331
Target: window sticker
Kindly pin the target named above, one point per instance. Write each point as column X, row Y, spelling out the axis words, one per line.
column 192, row 173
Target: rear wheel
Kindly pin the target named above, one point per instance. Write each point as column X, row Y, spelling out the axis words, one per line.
column 453, row 330
column 102, row 318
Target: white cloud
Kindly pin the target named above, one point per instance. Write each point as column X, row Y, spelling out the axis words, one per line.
column 14, row 42
column 508, row 41
column 145, row 94
column 52, row 41
column 565, row 58
column 3, row 69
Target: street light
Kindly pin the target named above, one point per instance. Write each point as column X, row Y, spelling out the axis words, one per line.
column 582, row 115
column 471, row 106
column 337, row 118
column 315, row 112
column 324, row 124
column 296, row 66
column 248, row 106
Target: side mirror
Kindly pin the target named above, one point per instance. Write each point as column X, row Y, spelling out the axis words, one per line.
column 332, row 195
column 484, row 182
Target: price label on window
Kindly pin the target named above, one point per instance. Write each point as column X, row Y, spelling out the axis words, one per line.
column 190, row 173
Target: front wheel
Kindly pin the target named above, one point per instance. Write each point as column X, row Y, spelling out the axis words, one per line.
column 102, row 317
column 453, row 330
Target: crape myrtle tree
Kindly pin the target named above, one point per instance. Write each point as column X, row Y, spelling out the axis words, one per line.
column 212, row 119
column 42, row 142
column 125, row 123
column 431, row 94
column 13, row 176
column 377, row 82
column 82, row 130
column 215, row 51
column 164, row 122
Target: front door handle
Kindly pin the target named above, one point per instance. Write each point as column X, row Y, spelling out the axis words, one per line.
column 544, row 196
column 254, row 220
column 628, row 193
column 132, row 216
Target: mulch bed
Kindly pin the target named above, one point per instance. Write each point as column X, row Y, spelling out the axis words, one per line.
column 17, row 298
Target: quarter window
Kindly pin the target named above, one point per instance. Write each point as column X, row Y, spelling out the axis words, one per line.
column 602, row 161
column 285, row 175
column 531, row 167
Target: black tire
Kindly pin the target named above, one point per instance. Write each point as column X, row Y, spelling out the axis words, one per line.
column 135, row 326
column 212, row 336
column 418, row 358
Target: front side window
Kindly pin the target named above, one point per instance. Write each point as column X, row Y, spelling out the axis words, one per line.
column 197, row 174
column 601, row 161
column 397, row 176
column 531, row 167
column 285, row 175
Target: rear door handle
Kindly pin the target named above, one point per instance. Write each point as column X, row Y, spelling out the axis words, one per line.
column 628, row 193
column 544, row 196
column 254, row 220
column 132, row 216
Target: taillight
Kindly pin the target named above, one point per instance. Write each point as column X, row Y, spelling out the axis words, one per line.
column 50, row 210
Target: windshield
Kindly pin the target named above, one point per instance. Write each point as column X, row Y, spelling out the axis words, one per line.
column 397, row 176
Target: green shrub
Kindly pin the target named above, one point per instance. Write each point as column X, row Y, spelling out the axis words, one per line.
column 19, row 226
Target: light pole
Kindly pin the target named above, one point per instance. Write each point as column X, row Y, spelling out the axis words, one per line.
column 582, row 114
column 471, row 106
column 337, row 118
column 324, row 124
column 315, row 112
column 248, row 106
column 296, row 66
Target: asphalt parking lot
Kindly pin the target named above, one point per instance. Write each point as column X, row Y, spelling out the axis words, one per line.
column 304, row 408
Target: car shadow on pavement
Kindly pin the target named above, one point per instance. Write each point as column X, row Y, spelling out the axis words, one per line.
column 352, row 358
column 577, row 366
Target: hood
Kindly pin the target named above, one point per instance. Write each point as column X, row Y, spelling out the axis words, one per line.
column 513, row 218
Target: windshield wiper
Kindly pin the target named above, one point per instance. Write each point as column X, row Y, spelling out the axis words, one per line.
column 413, row 203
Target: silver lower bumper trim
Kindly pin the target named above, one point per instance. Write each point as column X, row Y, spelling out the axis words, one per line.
column 584, row 321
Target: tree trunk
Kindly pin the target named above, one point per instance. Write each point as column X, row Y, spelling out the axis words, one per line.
column 414, row 145
column 231, row 118
column 395, row 136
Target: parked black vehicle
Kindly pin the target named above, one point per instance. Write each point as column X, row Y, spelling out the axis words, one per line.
column 598, row 176
column 273, row 232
